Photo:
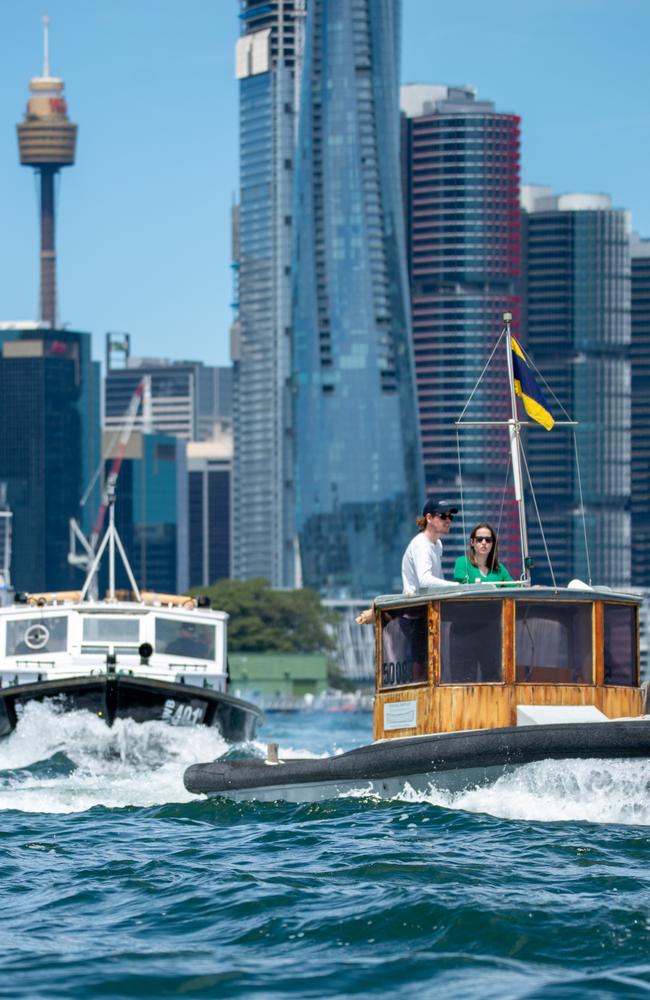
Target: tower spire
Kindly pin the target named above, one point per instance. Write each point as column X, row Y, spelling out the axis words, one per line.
column 46, row 45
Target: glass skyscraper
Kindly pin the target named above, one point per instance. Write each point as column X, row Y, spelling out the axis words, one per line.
column 577, row 280
column 49, row 447
column 461, row 169
column 358, row 468
column 640, row 504
column 267, row 55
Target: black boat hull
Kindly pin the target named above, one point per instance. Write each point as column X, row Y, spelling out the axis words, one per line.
column 124, row 696
column 446, row 760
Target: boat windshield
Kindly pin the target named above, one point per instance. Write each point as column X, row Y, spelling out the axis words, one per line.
column 36, row 635
column 185, row 638
column 553, row 643
column 110, row 629
column 470, row 642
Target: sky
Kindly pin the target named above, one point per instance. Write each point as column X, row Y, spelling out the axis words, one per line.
column 143, row 234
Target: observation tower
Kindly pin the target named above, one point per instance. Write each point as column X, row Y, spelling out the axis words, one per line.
column 46, row 142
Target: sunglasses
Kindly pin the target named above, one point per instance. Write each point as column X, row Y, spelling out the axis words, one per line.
column 445, row 517
column 483, row 538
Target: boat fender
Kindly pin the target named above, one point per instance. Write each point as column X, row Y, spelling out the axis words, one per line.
column 272, row 753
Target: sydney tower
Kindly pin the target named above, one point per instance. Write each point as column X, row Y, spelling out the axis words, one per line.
column 46, row 141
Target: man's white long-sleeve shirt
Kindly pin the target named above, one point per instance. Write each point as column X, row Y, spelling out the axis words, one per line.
column 422, row 564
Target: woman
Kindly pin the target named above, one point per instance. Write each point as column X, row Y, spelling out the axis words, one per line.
column 481, row 564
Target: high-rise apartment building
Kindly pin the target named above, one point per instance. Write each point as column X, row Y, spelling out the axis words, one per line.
column 461, row 182
column 267, row 68
column 49, row 446
column 577, row 287
column 358, row 469
column 640, row 494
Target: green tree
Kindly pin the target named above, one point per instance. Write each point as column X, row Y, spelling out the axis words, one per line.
column 263, row 620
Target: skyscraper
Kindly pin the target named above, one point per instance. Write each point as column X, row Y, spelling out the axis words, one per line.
column 577, row 279
column 640, row 495
column 49, row 447
column 151, row 512
column 461, row 166
column 267, row 59
column 358, row 471
column 47, row 141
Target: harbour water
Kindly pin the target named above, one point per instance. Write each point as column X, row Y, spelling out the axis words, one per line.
column 117, row 883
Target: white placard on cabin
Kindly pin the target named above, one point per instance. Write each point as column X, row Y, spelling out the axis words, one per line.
column 400, row 714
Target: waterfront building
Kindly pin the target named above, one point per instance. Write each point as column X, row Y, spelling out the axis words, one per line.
column 461, row 183
column 358, row 473
column 267, row 68
column 640, row 412
column 577, row 284
column 187, row 399
column 209, row 470
column 151, row 510
column 49, row 447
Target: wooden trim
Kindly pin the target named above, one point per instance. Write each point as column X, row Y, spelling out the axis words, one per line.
column 434, row 643
column 598, row 643
column 508, row 645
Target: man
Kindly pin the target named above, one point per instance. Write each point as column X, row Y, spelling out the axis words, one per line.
column 422, row 561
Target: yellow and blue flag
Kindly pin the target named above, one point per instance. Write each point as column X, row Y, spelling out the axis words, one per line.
column 527, row 388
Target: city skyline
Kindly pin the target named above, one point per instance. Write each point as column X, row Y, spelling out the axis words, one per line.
column 144, row 217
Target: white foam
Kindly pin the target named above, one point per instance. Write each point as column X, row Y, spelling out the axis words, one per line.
column 130, row 764
column 595, row 791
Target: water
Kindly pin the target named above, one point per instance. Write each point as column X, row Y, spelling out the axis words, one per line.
column 117, row 883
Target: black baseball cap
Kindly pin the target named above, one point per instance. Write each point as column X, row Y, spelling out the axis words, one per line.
column 435, row 506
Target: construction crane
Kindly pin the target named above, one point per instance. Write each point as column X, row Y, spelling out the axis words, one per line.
column 84, row 559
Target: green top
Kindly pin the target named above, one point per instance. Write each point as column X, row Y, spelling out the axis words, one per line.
column 465, row 572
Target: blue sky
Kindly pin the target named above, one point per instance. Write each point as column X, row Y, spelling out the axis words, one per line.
column 144, row 215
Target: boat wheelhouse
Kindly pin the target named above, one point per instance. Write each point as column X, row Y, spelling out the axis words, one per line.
column 477, row 657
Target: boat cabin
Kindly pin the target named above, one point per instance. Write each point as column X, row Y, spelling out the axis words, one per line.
column 477, row 657
column 162, row 636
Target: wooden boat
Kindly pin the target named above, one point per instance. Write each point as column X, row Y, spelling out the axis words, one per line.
column 472, row 681
column 136, row 655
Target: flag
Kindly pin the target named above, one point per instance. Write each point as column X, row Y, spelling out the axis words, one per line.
column 526, row 387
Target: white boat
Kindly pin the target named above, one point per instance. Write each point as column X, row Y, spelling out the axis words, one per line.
column 140, row 655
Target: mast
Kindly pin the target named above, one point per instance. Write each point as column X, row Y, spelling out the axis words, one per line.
column 514, row 432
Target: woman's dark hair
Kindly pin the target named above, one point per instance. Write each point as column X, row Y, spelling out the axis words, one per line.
column 421, row 523
column 493, row 558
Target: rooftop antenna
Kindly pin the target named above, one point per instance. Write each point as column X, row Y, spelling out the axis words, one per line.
column 46, row 45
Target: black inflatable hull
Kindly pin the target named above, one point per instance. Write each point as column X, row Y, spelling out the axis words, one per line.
column 446, row 760
column 123, row 696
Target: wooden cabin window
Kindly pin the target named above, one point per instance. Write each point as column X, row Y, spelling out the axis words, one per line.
column 553, row 643
column 620, row 653
column 470, row 642
column 404, row 646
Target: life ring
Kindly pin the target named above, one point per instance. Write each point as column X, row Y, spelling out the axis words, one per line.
column 36, row 636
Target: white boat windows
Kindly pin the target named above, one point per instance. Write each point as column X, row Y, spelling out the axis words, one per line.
column 26, row 636
column 111, row 629
column 404, row 646
column 185, row 638
column 553, row 643
column 470, row 642
column 620, row 653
